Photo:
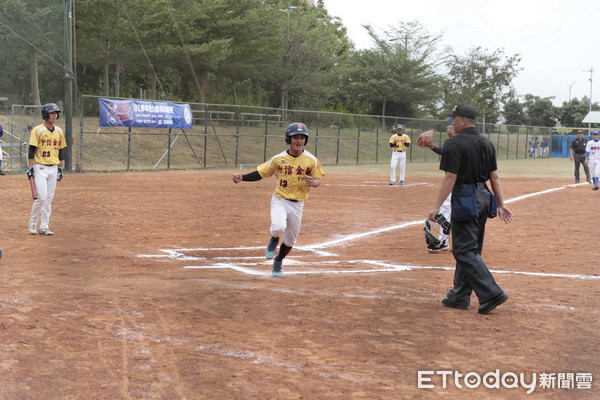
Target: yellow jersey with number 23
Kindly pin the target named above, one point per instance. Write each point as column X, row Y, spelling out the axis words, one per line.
column 47, row 144
column 291, row 173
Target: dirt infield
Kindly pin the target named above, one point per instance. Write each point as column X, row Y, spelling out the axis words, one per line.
column 155, row 286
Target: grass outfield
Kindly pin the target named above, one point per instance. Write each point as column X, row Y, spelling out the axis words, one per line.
column 559, row 167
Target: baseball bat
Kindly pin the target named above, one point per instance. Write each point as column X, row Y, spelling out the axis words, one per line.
column 33, row 189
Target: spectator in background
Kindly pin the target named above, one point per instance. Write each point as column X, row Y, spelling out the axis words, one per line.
column 544, row 146
column 578, row 155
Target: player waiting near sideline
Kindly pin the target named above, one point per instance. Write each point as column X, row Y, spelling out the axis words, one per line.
column 46, row 159
column 578, row 146
column 297, row 171
column 592, row 154
column 399, row 142
column 469, row 160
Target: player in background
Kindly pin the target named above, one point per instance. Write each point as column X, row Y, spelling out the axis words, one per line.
column 592, row 154
column 297, row 171
column 46, row 159
column 399, row 142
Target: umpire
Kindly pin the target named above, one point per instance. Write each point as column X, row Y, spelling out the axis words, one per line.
column 578, row 154
column 469, row 160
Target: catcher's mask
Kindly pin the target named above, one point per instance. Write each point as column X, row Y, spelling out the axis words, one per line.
column 296, row 128
column 433, row 228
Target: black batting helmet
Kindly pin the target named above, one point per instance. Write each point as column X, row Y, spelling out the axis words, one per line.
column 48, row 108
column 296, row 128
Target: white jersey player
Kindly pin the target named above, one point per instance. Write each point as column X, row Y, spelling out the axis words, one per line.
column 592, row 153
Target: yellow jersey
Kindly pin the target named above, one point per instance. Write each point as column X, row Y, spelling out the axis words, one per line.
column 47, row 144
column 401, row 140
column 291, row 173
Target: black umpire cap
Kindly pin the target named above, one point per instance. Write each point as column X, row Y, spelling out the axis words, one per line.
column 463, row 110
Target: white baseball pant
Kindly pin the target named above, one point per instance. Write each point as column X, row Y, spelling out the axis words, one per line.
column 286, row 218
column 398, row 158
column 445, row 210
column 45, row 184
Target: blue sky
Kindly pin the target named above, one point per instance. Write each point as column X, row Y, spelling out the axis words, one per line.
column 557, row 40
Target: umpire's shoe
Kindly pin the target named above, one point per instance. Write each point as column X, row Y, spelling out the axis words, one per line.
column 271, row 247
column 492, row 303
column 451, row 301
column 277, row 270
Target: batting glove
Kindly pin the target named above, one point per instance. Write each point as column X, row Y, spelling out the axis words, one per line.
column 30, row 173
column 60, row 175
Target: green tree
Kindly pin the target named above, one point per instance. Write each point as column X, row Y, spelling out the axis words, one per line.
column 514, row 113
column 99, row 40
column 539, row 111
column 571, row 113
column 400, row 69
column 313, row 45
column 34, row 43
column 481, row 79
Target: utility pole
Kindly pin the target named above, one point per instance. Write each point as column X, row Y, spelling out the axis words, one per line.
column 591, row 71
column 68, row 111
column 570, row 86
column 286, row 61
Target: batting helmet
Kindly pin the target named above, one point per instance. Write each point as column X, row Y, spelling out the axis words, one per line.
column 399, row 126
column 48, row 108
column 296, row 128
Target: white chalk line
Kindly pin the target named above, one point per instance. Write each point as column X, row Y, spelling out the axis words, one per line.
column 384, row 267
column 246, row 268
column 376, row 184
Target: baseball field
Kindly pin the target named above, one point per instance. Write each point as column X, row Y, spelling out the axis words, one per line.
column 155, row 286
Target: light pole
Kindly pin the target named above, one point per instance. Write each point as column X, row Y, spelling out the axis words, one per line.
column 570, row 86
column 286, row 61
column 591, row 71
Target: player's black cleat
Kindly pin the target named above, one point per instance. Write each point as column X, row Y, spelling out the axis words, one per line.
column 271, row 247
column 277, row 270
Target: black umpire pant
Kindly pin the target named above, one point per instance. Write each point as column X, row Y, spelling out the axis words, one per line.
column 580, row 159
column 471, row 273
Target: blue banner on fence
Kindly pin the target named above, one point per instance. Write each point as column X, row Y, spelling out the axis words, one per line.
column 144, row 114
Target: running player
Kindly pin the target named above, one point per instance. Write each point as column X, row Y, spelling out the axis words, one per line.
column 297, row 171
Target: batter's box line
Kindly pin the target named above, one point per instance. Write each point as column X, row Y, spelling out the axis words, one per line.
column 376, row 184
column 383, row 267
column 179, row 254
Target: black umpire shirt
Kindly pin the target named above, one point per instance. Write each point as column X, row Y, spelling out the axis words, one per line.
column 578, row 146
column 469, row 155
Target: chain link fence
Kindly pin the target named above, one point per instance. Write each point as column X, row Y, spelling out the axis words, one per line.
column 232, row 136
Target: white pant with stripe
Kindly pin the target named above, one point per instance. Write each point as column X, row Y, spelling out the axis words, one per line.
column 45, row 184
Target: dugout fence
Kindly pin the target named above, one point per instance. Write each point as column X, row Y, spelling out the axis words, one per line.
column 233, row 136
